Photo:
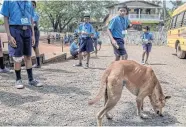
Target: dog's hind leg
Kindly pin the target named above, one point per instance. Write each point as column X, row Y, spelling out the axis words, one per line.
column 114, row 94
column 108, row 115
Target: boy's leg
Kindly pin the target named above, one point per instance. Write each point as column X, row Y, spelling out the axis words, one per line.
column 88, row 58
column 80, row 58
column 82, row 48
column 17, row 54
column 36, row 49
column 38, row 64
column 1, row 58
column 27, row 51
column 117, row 58
column 149, row 47
column 95, row 45
column 125, row 57
column 143, row 54
column 89, row 49
column 147, row 56
column 3, row 69
column 28, row 65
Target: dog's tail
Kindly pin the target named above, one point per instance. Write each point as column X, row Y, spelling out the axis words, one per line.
column 102, row 88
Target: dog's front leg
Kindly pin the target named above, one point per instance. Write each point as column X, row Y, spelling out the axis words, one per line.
column 142, row 106
column 139, row 101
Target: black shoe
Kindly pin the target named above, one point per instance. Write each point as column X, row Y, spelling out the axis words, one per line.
column 35, row 83
column 36, row 66
column 78, row 65
column 86, row 66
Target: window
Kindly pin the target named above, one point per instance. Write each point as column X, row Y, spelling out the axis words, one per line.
column 179, row 20
column 170, row 25
column 184, row 19
column 173, row 25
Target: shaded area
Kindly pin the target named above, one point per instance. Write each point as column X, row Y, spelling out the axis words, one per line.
column 12, row 99
column 46, row 89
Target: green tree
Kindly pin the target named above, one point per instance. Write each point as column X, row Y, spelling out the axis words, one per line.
column 176, row 3
column 60, row 14
column 1, row 21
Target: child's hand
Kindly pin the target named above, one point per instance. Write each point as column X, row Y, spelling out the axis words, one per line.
column 84, row 33
column 115, row 43
column 12, row 41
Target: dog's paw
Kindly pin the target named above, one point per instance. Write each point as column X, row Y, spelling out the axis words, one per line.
column 109, row 116
column 144, row 116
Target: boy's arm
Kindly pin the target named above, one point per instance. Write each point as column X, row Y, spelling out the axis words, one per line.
column 111, row 37
column 32, row 25
column 33, row 33
column 11, row 40
column 152, row 38
column 111, row 27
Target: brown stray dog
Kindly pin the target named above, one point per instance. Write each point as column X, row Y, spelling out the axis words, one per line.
column 139, row 80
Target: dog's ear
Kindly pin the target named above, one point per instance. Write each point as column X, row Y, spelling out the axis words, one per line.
column 167, row 97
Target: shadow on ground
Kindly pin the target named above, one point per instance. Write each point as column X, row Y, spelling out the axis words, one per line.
column 12, row 99
column 46, row 89
column 56, row 70
column 97, row 68
column 158, row 64
column 131, row 119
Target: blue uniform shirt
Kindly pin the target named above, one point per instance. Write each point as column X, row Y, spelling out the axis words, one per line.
column 36, row 17
column 147, row 35
column 73, row 47
column 87, row 27
column 16, row 10
column 117, row 25
column 96, row 34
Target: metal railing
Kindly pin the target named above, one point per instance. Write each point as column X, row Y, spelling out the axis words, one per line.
column 144, row 16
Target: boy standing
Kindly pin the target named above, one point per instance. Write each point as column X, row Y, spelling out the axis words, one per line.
column 117, row 30
column 37, row 35
column 86, row 45
column 20, row 31
column 147, row 39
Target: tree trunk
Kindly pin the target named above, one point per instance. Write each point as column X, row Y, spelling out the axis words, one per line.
column 65, row 24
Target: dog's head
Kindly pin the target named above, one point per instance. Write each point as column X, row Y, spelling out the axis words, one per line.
column 159, row 103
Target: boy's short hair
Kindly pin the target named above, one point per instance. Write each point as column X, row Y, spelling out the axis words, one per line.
column 33, row 1
column 124, row 6
column 146, row 28
column 86, row 16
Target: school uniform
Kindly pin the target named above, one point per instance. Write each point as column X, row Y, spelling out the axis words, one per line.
column 20, row 14
column 117, row 26
column 36, row 29
column 95, row 38
column 74, row 49
column 86, row 43
column 149, row 37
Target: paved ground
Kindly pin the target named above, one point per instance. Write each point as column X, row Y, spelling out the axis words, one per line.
column 50, row 50
column 63, row 99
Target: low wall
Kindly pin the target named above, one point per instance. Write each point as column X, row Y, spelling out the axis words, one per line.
column 134, row 37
